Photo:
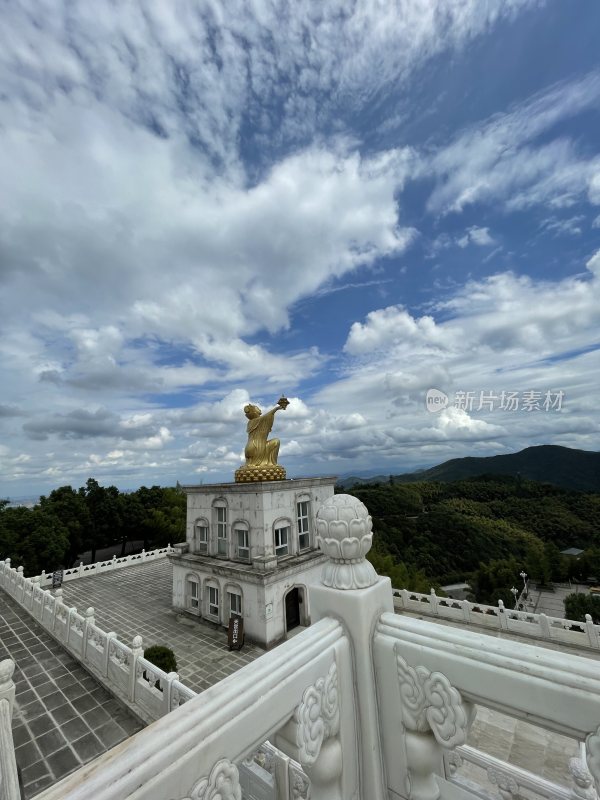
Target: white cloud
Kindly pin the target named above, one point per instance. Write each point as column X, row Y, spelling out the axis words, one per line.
column 505, row 160
column 478, row 236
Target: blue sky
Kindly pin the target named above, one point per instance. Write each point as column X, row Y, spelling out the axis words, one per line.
column 350, row 203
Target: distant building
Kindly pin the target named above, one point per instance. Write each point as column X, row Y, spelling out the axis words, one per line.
column 457, row 591
column 574, row 552
column 250, row 551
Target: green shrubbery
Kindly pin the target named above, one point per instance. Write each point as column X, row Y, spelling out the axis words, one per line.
column 162, row 657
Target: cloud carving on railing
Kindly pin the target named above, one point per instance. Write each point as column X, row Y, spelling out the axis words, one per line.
column 317, row 716
column 592, row 749
column 430, row 703
column 223, row 783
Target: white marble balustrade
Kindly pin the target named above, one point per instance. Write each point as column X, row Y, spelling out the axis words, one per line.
column 122, row 669
column 524, row 623
column 365, row 704
column 107, row 565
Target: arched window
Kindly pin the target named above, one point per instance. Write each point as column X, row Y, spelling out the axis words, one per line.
column 220, row 522
column 234, row 600
column 201, row 536
column 241, row 540
column 192, row 593
column 303, row 519
column 282, row 538
column 213, row 601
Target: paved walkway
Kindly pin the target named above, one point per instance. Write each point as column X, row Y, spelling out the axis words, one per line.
column 137, row 600
column 62, row 718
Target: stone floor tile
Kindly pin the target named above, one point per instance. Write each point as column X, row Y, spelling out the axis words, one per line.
column 96, row 717
column 74, row 729
column 21, row 735
column 50, row 742
column 27, row 754
column 38, row 785
column 88, row 747
column 64, row 713
column 41, row 725
column 54, row 700
column 84, row 703
column 34, row 772
column 63, row 762
column 110, row 733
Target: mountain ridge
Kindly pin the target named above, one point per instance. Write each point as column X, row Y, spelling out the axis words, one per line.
column 565, row 467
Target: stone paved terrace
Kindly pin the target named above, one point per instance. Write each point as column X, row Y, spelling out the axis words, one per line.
column 137, row 600
column 62, row 718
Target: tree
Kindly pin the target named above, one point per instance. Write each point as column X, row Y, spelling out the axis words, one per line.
column 70, row 508
column 103, row 507
column 33, row 539
column 578, row 605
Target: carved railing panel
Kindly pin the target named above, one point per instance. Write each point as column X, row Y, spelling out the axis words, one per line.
column 192, row 752
column 444, row 671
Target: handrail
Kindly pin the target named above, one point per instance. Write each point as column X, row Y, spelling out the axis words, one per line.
column 227, row 721
column 524, row 623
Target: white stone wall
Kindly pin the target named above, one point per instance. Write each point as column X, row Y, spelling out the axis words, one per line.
column 260, row 506
column 263, row 601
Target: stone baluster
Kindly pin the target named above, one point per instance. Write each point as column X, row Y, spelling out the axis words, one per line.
column 433, row 601
column 502, row 617
column 466, row 609
column 544, row 626
column 9, row 779
column 20, row 585
column 109, row 638
column 88, row 620
column 167, row 687
column 70, row 613
column 114, row 562
column 143, row 555
column 591, row 631
column 58, row 598
column 137, row 651
column 34, row 592
column 80, row 572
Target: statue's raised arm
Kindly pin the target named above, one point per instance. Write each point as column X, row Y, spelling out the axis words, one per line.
column 261, row 452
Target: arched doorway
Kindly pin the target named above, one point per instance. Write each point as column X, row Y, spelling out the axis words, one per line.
column 292, row 609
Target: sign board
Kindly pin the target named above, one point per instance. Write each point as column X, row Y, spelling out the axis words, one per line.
column 57, row 578
column 235, row 633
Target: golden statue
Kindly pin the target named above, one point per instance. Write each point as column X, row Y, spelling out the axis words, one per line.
column 261, row 453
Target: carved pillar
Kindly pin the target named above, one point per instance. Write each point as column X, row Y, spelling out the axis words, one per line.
column 434, row 717
column 352, row 592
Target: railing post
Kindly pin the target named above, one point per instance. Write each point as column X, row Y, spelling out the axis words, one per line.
column 114, row 562
column 167, row 690
column 143, row 555
column 35, row 581
column 69, row 615
column 137, row 650
column 88, row 619
column 466, row 609
column 545, row 626
column 8, row 766
column 433, row 601
column 109, row 637
column 351, row 591
column 80, row 569
column 591, row 631
column 57, row 601
column 20, row 584
column 502, row 619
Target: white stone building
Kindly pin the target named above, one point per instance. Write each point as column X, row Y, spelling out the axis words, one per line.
column 250, row 551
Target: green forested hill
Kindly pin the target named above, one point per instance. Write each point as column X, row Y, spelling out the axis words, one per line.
column 437, row 533
column 560, row 466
